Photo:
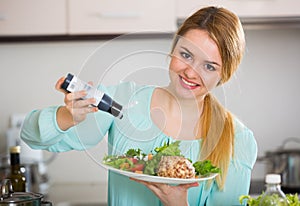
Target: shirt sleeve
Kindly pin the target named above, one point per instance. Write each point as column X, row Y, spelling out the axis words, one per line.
column 40, row 129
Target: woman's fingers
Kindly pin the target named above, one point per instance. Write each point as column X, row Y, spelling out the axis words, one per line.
column 78, row 106
column 156, row 188
column 189, row 185
column 59, row 83
column 75, row 100
column 85, row 103
column 75, row 96
column 173, row 195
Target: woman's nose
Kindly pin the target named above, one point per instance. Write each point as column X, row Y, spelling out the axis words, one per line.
column 191, row 72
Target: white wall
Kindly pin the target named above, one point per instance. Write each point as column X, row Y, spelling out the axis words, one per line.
column 265, row 93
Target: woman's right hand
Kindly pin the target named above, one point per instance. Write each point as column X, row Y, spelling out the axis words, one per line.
column 75, row 109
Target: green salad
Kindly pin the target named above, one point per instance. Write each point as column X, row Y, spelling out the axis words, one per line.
column 292, row 200
column 135, row 160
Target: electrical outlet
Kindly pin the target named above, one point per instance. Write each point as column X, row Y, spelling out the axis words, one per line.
column 16, row 120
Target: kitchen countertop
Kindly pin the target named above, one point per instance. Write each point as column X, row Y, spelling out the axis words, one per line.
column 81, row 204
column 75, row 194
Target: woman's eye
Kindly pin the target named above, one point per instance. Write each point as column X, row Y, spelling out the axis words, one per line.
column 185, row 55
column 210, row 67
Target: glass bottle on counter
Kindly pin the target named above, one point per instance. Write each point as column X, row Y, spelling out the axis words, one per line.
column 17, row 173
column 273, row 195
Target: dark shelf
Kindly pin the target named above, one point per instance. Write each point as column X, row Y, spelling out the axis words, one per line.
column 55, row 38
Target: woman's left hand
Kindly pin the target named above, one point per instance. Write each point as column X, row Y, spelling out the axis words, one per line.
column 169, row 194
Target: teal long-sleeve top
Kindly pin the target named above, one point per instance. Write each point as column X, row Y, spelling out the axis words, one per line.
column 136, row 130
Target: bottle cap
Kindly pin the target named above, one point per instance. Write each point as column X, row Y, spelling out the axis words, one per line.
column 116, row 110
column 273, row 178
column 15, row 149
column 67, row 81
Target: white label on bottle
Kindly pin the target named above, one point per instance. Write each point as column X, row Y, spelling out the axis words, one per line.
column 78, row 85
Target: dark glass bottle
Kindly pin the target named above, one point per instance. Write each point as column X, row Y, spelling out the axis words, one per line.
column 103, row 101
column 17, row 173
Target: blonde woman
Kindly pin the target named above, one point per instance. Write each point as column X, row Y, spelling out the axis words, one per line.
column 207, row 50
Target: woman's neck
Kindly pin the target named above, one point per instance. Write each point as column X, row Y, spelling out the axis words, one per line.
column 189, row 107
column 178, row 118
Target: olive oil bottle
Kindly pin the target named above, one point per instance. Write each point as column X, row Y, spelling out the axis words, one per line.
column 17, row 173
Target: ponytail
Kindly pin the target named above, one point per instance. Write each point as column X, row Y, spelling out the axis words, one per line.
column 217, row 133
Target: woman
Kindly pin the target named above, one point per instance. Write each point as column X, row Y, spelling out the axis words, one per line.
column 206, row 52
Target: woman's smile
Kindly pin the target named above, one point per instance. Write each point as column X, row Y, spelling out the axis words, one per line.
column 188, row 84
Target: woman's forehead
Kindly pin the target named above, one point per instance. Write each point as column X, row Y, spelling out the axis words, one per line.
column 199, row 43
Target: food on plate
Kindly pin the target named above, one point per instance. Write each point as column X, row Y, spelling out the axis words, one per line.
column 132, row 160
column 166, row 150
column 164, row 161
column 176, row 167
column 205, row 167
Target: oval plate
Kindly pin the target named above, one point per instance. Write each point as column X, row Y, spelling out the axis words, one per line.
column 157, row 179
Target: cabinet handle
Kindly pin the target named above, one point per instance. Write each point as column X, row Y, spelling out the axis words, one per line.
column 118, row 15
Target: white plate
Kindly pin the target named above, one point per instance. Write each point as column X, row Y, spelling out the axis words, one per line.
column 157, row 179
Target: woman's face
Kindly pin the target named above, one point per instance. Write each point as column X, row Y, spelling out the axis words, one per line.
column 195, row 66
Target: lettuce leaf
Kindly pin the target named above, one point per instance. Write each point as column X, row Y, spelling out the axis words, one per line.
column 205, row 168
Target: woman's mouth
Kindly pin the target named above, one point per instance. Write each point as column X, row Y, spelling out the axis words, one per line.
column 187, row 84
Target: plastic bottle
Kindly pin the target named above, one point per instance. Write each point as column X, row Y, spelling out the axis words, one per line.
column 273, row 195
column 17, row 173
column 103, row 101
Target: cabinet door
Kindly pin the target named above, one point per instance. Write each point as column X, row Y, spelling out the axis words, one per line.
column 32, row 17
column 243, row 8
column 120, row 16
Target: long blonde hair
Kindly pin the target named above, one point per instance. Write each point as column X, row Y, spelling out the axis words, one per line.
column 217, row 127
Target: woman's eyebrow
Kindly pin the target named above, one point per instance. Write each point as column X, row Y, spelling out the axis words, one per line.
column 211, row 62
column 188, row 51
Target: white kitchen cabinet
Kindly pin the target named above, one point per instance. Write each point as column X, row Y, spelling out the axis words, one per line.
column 243, row 8
column 120, row 16
column 32, row 17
